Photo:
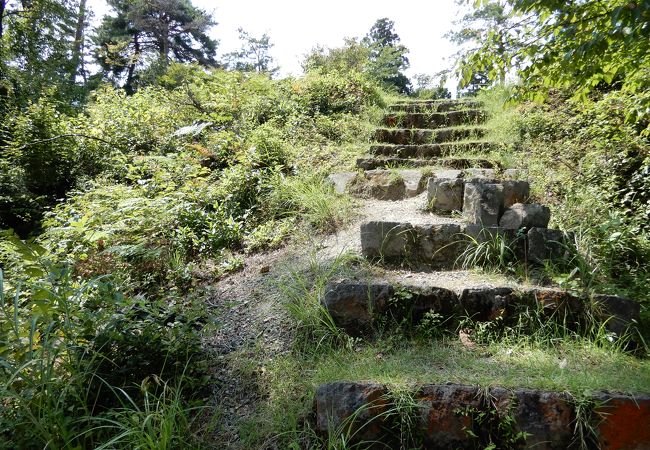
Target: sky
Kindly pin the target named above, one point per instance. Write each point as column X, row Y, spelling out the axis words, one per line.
column 296, row 26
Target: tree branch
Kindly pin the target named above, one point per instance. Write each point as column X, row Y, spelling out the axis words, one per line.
column 61, row 136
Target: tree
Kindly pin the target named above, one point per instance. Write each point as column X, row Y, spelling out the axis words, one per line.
column 475, row 28
column 352, row 56
column 254, row 54
column 35, row 49
column 147, row 34
column 430, row 87
column 387, row 58
column 573, row 44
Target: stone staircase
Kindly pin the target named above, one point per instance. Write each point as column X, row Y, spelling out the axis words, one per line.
column 422, row 225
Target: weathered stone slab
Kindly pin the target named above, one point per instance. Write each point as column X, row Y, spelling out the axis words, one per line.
column 435, row 105
column 447, row 416
column 383, row 162
column 340, row 181
column 522, row 215
column 356, row 405
column 625, row 421
column 482, row 203
column 353, row 305
column 474, row 174
column 387, row 240
column 434, row 119
column 515, row 191
column 545, row 244
column 445, row 194
column 379, row 184
column 547, row 417
column 486, row 303
column 441, row 420
column 438, row 246
column 414, row 136
column 624, row 313
column 414, row 182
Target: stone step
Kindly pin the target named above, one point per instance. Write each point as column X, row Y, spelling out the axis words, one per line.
column 397, row 184
column 485, row 196
column 417, row 136
column 435, row 119
column 380, row 184
column 425, row 245
column 362, row 306
column 457, row 416
column 431, row 150
column 372, row 162
column 435, row 105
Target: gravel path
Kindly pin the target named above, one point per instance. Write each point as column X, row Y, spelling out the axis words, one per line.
column 254, row 326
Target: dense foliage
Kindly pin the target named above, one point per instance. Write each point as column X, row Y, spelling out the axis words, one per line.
column 581, row 46
column 162, row 189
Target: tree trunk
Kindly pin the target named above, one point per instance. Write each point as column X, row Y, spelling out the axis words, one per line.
column 78, row 46
column 3, row 5
column 128, row 86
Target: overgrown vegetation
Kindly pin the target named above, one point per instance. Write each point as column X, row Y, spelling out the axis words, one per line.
column 123, row 192
column 162, row 188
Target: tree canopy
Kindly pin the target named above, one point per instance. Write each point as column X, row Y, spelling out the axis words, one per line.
column 253, row 56
column 577, row 45
column 147, row 34
column 387, row 58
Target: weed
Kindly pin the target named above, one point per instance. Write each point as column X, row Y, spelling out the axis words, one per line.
column 303, row 291
column 493, row 427
column 490, row 250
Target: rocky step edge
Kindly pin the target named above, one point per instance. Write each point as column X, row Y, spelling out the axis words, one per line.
column 372, row 162
column 398, row 184
column 492, row 210
column 455, row 416
column 443, row 245
column 434, row 119
column 431, row 150
column 359, row 307
column 410, row 136
column 435, row 106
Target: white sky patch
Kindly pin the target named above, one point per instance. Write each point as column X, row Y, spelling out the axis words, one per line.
column 295, row 27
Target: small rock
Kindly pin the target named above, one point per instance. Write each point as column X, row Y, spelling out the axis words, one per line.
column 522, row 215
column 545, row 244
column 482, row 203
column 265, row 269
column 445, row 194
column 515, row 191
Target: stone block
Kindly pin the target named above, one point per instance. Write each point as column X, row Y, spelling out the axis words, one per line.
column 486, row 303
column 522, row 215
column 414, row 182
column 445, row 194
column 547, row 417
column 340, row 181
column 387, row 240
column 623, row 313
column 545, row 244
column 336, row 403
column 480, row 174
column 352, row 304
column 379, row 184
column 626, row 421
column 441, row 420
column 421, row 300
column 562, row 306
column 438, row 246
column 482, row 203
column 515, row 191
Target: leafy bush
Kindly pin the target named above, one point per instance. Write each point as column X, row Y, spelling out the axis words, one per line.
column 599, row 186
